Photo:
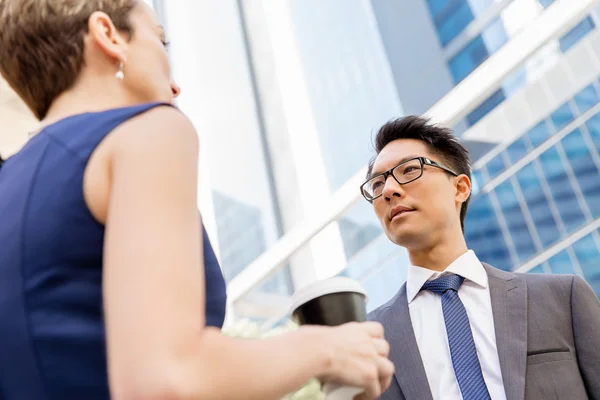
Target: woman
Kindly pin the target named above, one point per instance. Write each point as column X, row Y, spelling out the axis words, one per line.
column 108, row 284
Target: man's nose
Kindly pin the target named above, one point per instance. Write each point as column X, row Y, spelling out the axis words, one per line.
column 392, row 188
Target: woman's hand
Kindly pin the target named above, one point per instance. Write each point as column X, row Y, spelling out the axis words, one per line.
column 358, row 356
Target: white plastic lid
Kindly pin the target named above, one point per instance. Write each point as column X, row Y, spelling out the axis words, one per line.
column 338, row 284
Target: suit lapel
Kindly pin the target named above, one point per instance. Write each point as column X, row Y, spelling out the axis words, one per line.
column 509, row 307
column 404, row 352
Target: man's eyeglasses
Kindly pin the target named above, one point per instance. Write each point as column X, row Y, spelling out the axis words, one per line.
column 403, row 173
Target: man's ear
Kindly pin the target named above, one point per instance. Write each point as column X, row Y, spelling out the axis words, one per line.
column 107, row 37
column 463, row 188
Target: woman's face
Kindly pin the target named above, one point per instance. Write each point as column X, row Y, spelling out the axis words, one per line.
column 146, row 68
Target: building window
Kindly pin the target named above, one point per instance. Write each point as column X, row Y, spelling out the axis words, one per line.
column 561, row 263
column 539, row 134
column 518, row 149
column 588, row 256
column 562, row 191
column 496, row 166
column 450, row 18
column 593, row 126
column 486, row 106
column 515, row 220
column 538, row 205
column 483, row 233
column 468, row 59
column 562, row 116
column 576, row 34
column 546, row 3
column 584, row 168
column 586, row 99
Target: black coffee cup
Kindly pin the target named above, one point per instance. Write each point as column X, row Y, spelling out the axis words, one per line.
column 331, row 302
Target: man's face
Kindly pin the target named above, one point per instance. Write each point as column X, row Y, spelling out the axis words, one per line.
column 420, row 213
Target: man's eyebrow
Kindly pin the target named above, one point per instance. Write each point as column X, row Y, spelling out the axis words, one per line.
column 403, row 159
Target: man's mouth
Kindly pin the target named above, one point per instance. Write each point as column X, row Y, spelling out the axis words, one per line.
column 400, row 211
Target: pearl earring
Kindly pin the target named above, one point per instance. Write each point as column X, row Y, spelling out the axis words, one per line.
column 120, row 75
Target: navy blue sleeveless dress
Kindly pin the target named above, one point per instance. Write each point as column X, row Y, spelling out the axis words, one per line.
column 52, row 340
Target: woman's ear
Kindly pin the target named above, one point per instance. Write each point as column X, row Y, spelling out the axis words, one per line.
column 107, row 37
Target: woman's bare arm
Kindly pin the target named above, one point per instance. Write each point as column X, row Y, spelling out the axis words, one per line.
column 158, row 345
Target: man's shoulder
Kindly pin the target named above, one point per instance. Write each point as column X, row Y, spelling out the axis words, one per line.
column 534, row 279
column 381, row 312
column 384, row 312
column 547, row 280
column 540, row 285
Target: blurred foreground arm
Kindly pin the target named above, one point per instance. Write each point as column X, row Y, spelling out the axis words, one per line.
column 154, row 294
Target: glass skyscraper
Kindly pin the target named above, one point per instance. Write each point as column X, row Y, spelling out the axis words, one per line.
column 498, row 32
column 539, row 203
column 309, row 82
column 287, row 95
column 533, row 136
column 536, row 202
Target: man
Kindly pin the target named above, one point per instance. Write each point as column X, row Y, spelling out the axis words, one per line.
column 460, row 329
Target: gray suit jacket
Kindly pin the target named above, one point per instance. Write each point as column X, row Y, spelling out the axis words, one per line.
column 547, row 333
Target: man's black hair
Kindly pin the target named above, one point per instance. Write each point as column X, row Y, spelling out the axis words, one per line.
column 440, row 141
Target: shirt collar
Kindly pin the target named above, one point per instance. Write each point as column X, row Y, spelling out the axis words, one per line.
column 468, row 266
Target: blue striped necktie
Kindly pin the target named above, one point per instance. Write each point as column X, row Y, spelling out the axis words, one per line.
column 462, row 346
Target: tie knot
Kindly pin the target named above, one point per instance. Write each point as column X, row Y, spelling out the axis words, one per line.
column 443, row 284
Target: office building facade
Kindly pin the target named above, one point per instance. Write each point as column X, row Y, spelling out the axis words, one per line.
column 533, row 134
column 286, row 96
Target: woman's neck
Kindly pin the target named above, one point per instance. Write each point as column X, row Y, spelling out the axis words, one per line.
column 88, row 95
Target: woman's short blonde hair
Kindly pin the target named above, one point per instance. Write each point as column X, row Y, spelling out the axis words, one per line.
column 42, row 44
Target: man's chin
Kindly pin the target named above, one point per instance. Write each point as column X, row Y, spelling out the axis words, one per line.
column 403, row 238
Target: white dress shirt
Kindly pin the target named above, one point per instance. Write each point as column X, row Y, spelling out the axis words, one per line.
column 430, row 330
